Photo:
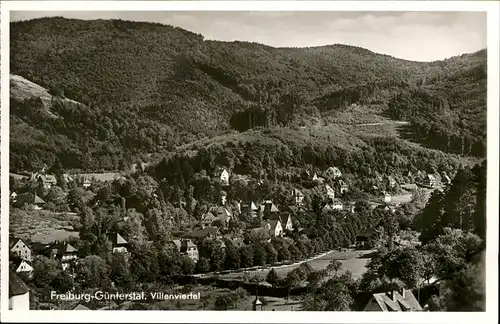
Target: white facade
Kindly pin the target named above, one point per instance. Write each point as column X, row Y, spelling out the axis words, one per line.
column 330, row 193
column 20, row 302
column 24, row 267
column 224, row 177
column 120, row 249
column 22, row 250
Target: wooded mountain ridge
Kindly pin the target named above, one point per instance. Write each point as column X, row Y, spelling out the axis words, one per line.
column 148, row 88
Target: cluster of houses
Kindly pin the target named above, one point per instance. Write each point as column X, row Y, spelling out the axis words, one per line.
column 85, row 180
column 22, row 253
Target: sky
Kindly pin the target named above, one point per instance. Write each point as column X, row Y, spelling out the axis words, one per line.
column 416, row 36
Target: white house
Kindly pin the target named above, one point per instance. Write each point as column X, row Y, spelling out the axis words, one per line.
column 330, row 193
column 274, row 227
column 19, row 294
column 188, row 248
column 298, row 196
column 333, row 172
column 20, row 248
column 118, row 242
column 334, row 204
column 222, row 174
column 343, row 187
column 285, row 220
column 223, row 198
column 23, row 266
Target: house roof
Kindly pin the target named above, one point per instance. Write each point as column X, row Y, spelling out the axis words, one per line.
column 81, row 307
column 17, row 262
column 104, row 177
column 274, row 223
column 16, row 285
column 397, row 302
column 269, row 206
column 67, row 177
column 220, row 211
column 63, row 248
column 431, row 177
column 283, row 217
column 297, row 192
column 177, row 244
column 208, row 217
column 204, row 232
column 49, row 178
column 13, row 241
column 116, row 239
column 29, row 198
column 218, row 171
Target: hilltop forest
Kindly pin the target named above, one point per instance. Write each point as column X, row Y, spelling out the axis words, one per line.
column 146, row 88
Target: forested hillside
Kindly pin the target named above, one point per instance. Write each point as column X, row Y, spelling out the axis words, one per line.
column 148, row 88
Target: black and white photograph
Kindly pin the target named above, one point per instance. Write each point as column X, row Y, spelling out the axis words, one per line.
column 259, row 161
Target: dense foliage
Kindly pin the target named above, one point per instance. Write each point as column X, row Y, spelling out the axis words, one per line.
column 147, row 88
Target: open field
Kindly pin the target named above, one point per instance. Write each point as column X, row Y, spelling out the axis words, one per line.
column 41, row 225
column 350, row 261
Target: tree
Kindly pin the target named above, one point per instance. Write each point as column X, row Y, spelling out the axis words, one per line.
column 405, row 264
column 187, row 265
column 466, row 291
column 334, row 266
column 246, row 256
column 272, row 277
column 271, row 253
column 120, row 270
column 92, row 272
column 452, row 250
column 78, row 198
column 334, row 295
column 292, row 279
column 260, row 255
column 203, row 265
column 45, row 272
column 63, row 282
column 232, row 260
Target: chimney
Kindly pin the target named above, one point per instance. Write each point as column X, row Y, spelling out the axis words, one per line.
column 403, row 292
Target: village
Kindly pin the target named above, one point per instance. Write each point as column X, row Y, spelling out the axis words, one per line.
column 268, row 227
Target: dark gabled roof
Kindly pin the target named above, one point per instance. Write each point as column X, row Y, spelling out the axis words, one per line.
column 273, row 223
column 29, row 198
column 13, row 241
column 16, row 262
column 270, row 207
column 16, row 285
column 283, row 217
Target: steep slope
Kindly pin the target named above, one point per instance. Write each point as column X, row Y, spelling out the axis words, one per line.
column 149, row 87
